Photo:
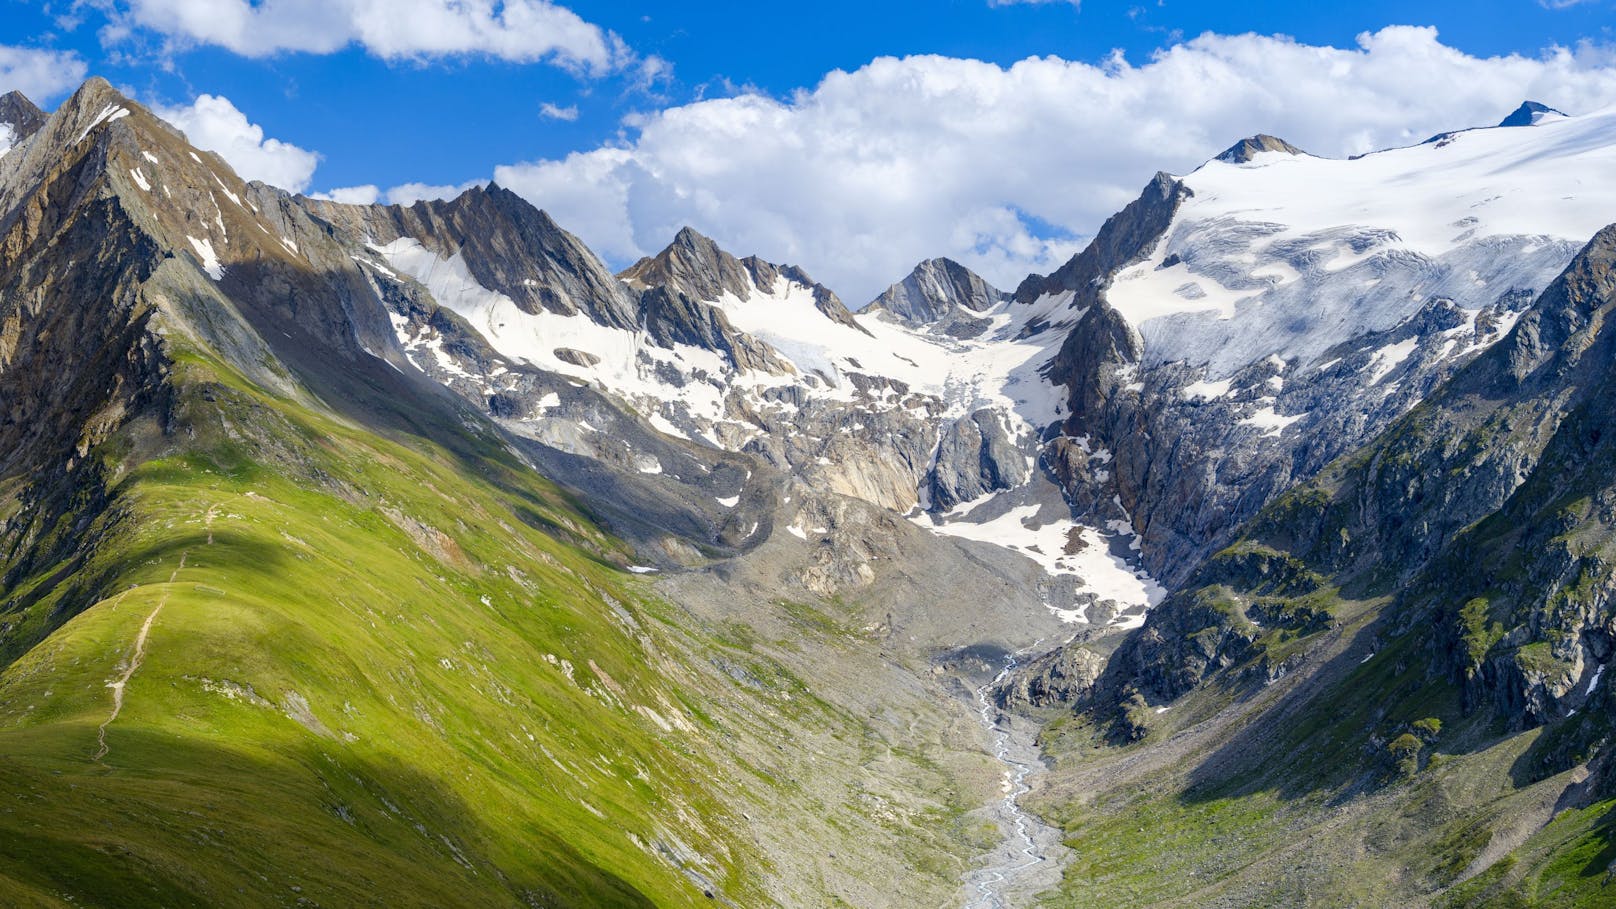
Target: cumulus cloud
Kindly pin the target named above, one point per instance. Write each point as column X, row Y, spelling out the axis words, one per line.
column 39, row 74
column 403, row 194
column 410, row 193
column 368, row 194
column 516, row 30
column 213, row 123
column 1006, row 168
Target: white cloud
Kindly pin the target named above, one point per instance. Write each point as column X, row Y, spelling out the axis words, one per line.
column 516, row 30
column 873, row 170
column 410, row 193
column 39, row 74
column 213, row 123
column 367, row 194
column 403, row 194
column 557, row 112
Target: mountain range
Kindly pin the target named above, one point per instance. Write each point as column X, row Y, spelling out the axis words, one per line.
column 407, row 555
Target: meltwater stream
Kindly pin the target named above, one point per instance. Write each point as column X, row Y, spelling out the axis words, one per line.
column 1030, row 858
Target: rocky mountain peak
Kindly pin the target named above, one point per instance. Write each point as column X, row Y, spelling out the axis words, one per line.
column 939, row 291
column 1124, row 238
column 19, row 118
column 693, row 265
column 697, row 267
column 1250, row 147
column 506, row 244
column 1530, row 113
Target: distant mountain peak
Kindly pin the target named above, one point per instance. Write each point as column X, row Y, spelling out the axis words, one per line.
column 18, row 116
column 1530, row 113
column 692, row 264
column 938, row 290
column 697, row 266
column 1250, row 147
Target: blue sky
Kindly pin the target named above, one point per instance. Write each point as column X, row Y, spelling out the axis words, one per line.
column 385, row 111
column 458, row 117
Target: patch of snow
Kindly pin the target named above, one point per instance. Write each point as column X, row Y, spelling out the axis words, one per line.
column 1061, row 547
column 109, row 113
column 728, row 502
column 232, row 196
column 1207, row 390
column 210, row 259
column 665, row 426
column 642, row 569
column 140, row 179
column 1389, row 358
column 1269, row 420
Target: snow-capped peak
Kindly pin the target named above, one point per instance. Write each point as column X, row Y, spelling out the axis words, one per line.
column 1530, row 113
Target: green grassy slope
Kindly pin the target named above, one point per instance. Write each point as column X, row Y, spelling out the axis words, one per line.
column 358, row 673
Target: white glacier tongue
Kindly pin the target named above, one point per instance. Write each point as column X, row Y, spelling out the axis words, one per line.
column 1293, row 254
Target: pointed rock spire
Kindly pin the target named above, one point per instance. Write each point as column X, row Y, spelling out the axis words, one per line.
column 692, row 264
column 937, row 291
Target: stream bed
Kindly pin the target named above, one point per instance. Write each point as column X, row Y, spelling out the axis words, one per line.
column 1031, row 857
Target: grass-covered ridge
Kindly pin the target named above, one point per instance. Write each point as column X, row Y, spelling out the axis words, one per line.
column 373, row 672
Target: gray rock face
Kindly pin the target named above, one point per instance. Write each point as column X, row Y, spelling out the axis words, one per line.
column 942, row 293
column 1124, row 238
column 976, row 456
column 671, row 317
